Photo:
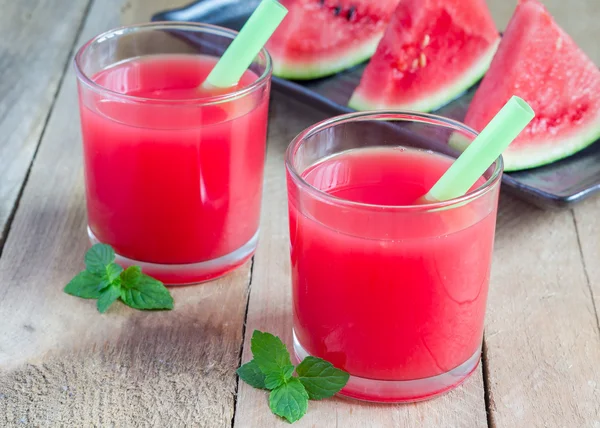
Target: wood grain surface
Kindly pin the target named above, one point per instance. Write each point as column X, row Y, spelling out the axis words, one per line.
column 33, row 55
column 588, row 229
column 542, row 339
column 136, row 11
column 63, row 364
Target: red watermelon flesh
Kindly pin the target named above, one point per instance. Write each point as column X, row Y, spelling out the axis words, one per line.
column 322, row 37
column 540, row 63
column 432, row 51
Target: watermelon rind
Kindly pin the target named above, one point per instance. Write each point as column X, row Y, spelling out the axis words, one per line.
column 544, row 153
column 441, row 97
column 325, row 67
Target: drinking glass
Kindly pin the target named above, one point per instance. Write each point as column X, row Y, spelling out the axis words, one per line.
column 394, row 295
column 173, row 180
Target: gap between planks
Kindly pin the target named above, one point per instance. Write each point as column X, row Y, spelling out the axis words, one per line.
column 487, row 388
column 241, row 352
column 6, row 229
column 585, row 270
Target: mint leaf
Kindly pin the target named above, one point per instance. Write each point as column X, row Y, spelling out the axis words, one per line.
column 272, row 369
column 98, row 258
column 274, row 379
column 290, row 400
column 251, row 374
column 86, row 285
column 131, row 275
column 144, row 292
column 107, row 298
column 272, row 357
column 113, row 271
column 106, row 281
column 320, row 378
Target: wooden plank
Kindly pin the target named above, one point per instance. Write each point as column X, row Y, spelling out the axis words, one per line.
column 588, row 231
column 35, row 40
column 136, row 11
column 587, row 225
column 543, row 346
column 62, row 363
column 270, row 310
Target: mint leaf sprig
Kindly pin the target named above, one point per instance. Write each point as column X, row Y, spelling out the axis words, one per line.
column 272, row 369
column 107, row 282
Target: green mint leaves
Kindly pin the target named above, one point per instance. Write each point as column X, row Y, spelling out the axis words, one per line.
column 86, row 285
column 290, row 400
column 320, row 378
column 272, row 369
column 142, row 291
column 272, row 359
column 107, row 282
column 99, row 258
column 252, row 375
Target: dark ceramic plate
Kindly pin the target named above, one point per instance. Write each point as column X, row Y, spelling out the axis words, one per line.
column 558, row 185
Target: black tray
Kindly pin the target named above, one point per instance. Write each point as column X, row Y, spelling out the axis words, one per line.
column 558, row 185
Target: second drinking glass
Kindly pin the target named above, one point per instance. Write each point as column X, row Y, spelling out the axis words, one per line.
column 391, row 291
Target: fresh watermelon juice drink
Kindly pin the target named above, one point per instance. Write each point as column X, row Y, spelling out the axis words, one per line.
column 392, row 292
column 173, row 172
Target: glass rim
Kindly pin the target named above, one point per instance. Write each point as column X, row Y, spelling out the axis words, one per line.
column 192, row 27
column 390, row 115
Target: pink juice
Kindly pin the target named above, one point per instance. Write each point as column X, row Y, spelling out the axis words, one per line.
column 393, row 295
column 173, row 178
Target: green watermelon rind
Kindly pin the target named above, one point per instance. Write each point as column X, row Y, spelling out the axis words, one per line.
column 326, row 67
column 538, row 155
column 441, row 97
column 555, row 149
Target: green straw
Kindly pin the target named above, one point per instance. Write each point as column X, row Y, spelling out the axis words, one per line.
column 247, row 45
column 483, row 151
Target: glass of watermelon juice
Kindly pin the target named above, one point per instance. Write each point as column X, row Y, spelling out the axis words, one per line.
column 173, row 173
column 392, row 292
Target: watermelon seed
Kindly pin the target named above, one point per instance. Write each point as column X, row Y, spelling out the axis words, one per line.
column 425, row 42
column 351, row 13
column 337, row 10
column 415, row 64
column 397, row 74
column 422, row 60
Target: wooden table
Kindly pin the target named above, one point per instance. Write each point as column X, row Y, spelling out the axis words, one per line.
column 63, row 364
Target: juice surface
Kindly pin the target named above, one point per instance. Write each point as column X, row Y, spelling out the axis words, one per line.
column 388, row 296
column 171, row 180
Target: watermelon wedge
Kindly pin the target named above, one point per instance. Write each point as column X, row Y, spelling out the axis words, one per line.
column 540, row 63
column 322, row 37
column 432, row 51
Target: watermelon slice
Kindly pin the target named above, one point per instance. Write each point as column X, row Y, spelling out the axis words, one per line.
column 432, row 51
column 540, row 63
column 322, row 37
